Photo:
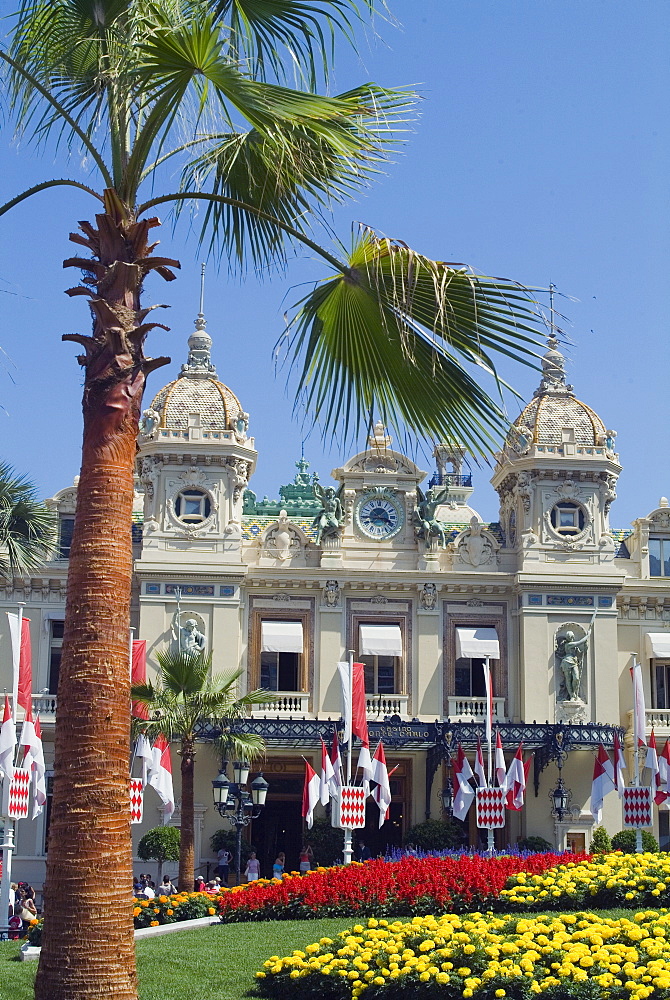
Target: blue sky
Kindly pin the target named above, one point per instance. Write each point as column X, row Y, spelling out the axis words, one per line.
column 541, row 153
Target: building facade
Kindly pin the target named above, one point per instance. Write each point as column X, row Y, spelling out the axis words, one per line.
column 374, row 562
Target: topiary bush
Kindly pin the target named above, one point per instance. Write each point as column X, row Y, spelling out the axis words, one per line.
column 435, row 835
column 625, row 841
column 600, row 841
column 160, row 844
column 538, row 845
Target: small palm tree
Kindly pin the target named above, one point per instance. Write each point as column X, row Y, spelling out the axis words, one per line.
column 27, row 525
column 185, row 696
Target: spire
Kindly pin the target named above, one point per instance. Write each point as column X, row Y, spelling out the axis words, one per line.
column 553, row 362
column 199, row 361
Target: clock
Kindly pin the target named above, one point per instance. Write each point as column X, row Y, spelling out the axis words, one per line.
column 379, row 516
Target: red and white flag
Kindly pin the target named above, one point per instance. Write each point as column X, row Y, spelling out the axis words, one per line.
column 39, row 772
column 664, row 770
column 353, row 699
column 365, row 765
column 161, row 774
column 619, row 766
column 638, row 704
column 336, row 763
column 501, row 770
column 310, row 794
column 464, row 793
column 29, row 743
column 382, row 793
column 603, row 782
column 509, row 798
column 22, row 685
column 326, row 780
column 480, row 772
column 652, row 763
column 138, row 675
column 144, row 754
column 516, row 781
column 488, row 687
column 7, row 741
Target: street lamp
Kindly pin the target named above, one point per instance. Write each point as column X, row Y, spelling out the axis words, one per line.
column 560, row 799
column 447, row 796
column 236, row 804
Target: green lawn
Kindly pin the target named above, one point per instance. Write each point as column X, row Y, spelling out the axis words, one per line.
column 213, row 963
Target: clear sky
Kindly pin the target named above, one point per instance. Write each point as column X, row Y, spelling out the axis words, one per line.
column 541, row 153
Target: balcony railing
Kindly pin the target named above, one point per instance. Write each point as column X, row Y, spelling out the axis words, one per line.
column 283, row 703
column 450, row 479
column 657, row 719
column 380, row 705
column 472, row 709
column 44, row 705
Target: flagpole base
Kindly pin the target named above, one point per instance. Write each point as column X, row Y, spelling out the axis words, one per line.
column 348, row 847
column 7, row 847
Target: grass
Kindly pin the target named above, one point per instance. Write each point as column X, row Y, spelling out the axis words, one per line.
column 212, row 963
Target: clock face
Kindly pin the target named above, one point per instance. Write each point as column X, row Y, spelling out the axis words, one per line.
column 379, row 517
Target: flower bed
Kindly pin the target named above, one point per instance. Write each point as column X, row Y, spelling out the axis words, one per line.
column 601, row 881
column 380, row 888
column 153, row 912
column 578, row 956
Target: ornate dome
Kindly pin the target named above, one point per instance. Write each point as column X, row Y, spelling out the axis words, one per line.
column 197, row 392
column 553, row 409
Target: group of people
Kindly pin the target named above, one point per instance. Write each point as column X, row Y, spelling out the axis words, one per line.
column 22, row 909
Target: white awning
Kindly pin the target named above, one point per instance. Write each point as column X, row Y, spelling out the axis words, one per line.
column 281, row 637
column 380, row 640
column 477, row 643
column 658, row 645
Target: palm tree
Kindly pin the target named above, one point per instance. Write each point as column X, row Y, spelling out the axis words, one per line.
column 131, row 89
column 27, row 525
column 185, row 696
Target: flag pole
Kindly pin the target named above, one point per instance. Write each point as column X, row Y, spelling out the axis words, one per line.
column 348, row 849
column 489, row 716
column 8, row 837
column 636, row 755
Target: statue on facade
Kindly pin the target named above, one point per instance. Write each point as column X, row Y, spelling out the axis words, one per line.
column 571, row 653
column 426, row 525
column 330, row 519
column 331, row 594
column 149, row 422
column 428, row 597
column 188, row 636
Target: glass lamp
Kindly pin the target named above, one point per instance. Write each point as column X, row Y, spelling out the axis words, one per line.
column 240, row 772
column 259, row 790
column 220, row 789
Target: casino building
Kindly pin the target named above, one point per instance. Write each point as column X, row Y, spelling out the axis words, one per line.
column 368, row 559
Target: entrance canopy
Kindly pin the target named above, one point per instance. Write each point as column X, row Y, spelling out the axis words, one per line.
column 281, row 637
column 380, row 640
column 477, row 643
column 658, row 645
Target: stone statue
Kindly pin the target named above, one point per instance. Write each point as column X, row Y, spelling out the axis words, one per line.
column 426, row 525
column 242, row 425
column 428, row 597
column 571, row 652
column 190, row 638
column 149, row 422
column 330, row 518
column 282, row 537
column 331, row 594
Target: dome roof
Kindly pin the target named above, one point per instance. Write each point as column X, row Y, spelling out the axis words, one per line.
column 554, row 408
column 216, row 404
column 197, row 391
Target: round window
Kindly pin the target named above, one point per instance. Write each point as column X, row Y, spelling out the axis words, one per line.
column 192, row 506
column 567, row 518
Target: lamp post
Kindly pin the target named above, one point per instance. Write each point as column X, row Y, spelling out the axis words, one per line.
column 238, row 804
column 447, row 797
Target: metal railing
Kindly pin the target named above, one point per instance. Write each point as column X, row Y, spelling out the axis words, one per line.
column 450, row 479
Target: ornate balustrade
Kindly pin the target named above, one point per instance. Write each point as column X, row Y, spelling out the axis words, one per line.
column 283, row 704
column 378, row 706
column 474, row 709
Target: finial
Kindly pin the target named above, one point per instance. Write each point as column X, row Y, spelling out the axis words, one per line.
column 553, row 362
column 201, row 322
column 199, row 362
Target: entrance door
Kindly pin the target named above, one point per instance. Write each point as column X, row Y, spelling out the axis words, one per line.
column 279, row 828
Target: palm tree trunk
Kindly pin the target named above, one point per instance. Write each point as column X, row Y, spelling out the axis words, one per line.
column 88, row 948
column 187, row 842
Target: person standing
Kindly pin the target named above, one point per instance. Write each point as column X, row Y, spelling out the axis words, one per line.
column 253, row 869
column 223, row 857
column 278, row 866
column 363, row 851
column 306, row 858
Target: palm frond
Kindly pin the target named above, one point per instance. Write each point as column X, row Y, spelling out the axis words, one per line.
column 27, row 525
column 281, row 37
column 401, row 336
